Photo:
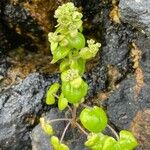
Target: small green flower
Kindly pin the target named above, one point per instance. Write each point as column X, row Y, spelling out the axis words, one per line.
column 90, row 51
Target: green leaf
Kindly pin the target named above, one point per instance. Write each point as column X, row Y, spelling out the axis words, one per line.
column 85, row 53
column 127, row 140
column 92, row 139
column 55, row 142
column 54, row 88
column 60, row 53
column 76, row 83
column 74, row 95
column 62, row 102
column 46, row 127
column 79, row 65
column 63, row 147
column 77, row 42
column 94, row 119
column 53, row 46
column 109, row 142
column 64, row 65
column 50, row 99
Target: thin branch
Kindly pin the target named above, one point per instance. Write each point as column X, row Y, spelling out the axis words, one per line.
column 69, row 108
column 78, row 125
column 74, row 112
column 63, row 134
column 85, row 106
column 56, row 96
column 60, row 119
column 113, row 131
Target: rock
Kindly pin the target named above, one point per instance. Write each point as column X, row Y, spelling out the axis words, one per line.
column 74, row 139
column 122, row 106
column 27, row 23
column 141, row 129
column 144, row 44
column 96, row 79
column 20, row 105
column 136, row 13
column 126, row 110
column 3, row 65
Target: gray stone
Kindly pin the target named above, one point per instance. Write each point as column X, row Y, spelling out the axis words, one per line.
column 19, row 107
column 136, row 13
column 73, row 138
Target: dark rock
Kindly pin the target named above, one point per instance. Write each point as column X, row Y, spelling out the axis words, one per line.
column 136, row 13
column 96, row 80
column 122, row 106
column 3, row 65
column 144, row 45
column 74, row 139
column 141, row 128
column 115, row 50
column 19, row 107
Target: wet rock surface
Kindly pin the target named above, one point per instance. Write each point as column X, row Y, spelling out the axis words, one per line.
column 19, row 107
column 74, row 139
column 130, row 101
column 136, row 13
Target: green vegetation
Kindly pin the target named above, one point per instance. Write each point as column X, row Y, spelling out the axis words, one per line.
column 68, row 47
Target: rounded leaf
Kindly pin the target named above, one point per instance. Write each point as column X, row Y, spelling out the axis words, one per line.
column 79, row 65
column 74, row 95
column 127, row 140
column 94, row 119
column 76, row 42
column 46, row 127
column 62, row 102
column 50, row 99
column 64, row 65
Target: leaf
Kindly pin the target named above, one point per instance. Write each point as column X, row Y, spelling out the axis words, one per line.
column 53, row 46
column 63, row 147
column 127, row 140
column 109, row 142
column 64, row 65
column 62, row 102
column 79, row 65
column 50, row 99
column 60, row 53
column 94, row 119
column 85, row 53
column 46, row 127
column 76, row 42
column 76, row 83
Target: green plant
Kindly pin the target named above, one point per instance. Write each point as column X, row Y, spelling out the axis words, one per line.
column 67, row 45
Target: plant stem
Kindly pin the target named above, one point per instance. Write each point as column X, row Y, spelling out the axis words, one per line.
column 60, row 119
column 56, row 96
column 85, row 106
column 113, row 131
column 78, row 125
column 69, row 108
column 63, row 134
column 74, row 111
